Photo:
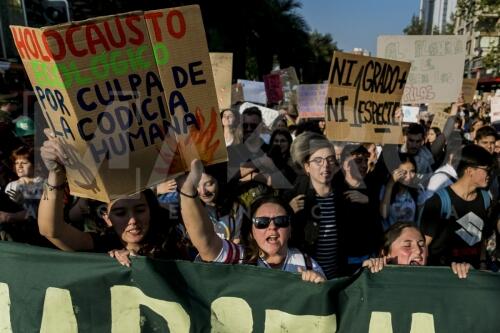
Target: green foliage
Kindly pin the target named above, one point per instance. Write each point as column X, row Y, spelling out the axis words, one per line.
column 416, row 27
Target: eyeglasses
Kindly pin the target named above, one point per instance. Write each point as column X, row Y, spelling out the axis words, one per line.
column 263, row 222
column 251, row 126
column 488, row 170
column 319, row 161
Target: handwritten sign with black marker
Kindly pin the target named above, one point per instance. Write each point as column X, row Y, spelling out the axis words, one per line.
column 364, row 94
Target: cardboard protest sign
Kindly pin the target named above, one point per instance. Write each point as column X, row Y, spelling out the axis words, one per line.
column 440, row 119
column 311, row 100
column 410, row 114
column 495, row 109
column 289, row 82
column 469, row 89
column 131, row 96
column 237, row 93
column 437, row 65
column 253, row 91
column 268, row 115
column 222, row 67
column 364, row 94
column 274, row 88
column 436, row 107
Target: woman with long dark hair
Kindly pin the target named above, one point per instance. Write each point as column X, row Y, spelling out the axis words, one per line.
column 399, row 197
column 264, row 239
column 137, row 225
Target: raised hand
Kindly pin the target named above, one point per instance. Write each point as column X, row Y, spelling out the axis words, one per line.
column 53, row 155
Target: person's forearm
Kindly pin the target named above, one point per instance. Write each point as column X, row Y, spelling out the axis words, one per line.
column 198, row 225
column 51, row 208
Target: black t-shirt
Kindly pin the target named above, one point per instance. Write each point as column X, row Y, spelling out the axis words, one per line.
column 458, row 238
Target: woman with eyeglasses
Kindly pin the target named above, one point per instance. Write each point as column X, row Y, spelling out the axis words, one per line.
column 315, row 200
column 264, row 241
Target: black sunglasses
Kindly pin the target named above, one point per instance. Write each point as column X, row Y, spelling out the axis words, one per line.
column 263, row 222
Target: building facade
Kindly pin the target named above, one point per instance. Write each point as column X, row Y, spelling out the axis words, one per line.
column 478, row 44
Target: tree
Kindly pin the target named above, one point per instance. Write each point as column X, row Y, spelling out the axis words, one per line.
column 416, row 27
column 322, row 47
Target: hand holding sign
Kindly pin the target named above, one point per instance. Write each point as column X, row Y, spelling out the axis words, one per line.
column 53, row 155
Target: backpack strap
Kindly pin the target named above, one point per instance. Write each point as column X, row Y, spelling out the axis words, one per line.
column 453, row 179
column 444, row 196
column 308, row 262
column 486, row 199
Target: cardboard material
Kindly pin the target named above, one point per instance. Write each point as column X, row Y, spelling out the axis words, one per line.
column 437, row 65
column 131, row 96
column 469, row 89
column 410, row 114
column 440, row 119
column 268, row 115
column 253, row 91
column 495, row 109
column 237, row 93
column 363, row 100
column 222, row 67
column 311, row 100
column 274, row 88
column 436, row 107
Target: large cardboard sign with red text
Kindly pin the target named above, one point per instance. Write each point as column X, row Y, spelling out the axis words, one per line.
column 132, row 96
column 364, row 98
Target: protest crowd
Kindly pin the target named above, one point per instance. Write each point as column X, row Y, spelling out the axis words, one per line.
column 291, row 194
column 287, row 198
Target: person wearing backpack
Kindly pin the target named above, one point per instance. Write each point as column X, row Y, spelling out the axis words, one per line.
column 455, row 219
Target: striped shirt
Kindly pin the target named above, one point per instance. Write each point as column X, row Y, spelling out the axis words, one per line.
column 327, row 242
column 232, row 253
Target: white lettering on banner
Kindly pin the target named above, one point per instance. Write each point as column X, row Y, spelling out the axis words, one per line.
column 5, row 325
column 58, row 314
column 472, row 228
column 125, row 311
column 231, row 314
column 380, row 322
column 278, row 321
column 422, row 323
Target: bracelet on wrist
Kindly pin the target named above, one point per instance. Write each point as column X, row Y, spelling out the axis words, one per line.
column 192, row 196
column 55, row 187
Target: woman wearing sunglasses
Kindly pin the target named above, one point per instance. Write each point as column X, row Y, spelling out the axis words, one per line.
column 264, row 241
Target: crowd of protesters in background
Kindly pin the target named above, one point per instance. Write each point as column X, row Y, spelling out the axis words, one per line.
column 287, row 199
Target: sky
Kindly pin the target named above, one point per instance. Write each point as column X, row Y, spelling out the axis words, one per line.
column 357, row 23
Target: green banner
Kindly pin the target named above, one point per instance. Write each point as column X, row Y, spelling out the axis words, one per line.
column 48, row 291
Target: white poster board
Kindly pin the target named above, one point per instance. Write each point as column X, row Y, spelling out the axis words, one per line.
column 410, row 114
column 495, row 109
column 254, row 91
column 268, row 115
column 311, row 100
column 437, row 65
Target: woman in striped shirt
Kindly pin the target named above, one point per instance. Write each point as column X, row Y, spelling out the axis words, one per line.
column 315, row 201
